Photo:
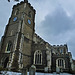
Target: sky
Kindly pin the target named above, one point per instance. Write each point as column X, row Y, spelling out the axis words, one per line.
column 54, row 20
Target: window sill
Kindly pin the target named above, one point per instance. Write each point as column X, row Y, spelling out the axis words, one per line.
column 7, row 51
column 37, row 64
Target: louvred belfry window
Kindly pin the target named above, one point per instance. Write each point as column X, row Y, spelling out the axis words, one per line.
column 9, row 47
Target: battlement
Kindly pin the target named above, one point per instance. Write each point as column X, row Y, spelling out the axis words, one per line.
column 23, row 2
column 65, row 45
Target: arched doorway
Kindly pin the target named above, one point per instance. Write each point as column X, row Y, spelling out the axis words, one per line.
column 5, row 62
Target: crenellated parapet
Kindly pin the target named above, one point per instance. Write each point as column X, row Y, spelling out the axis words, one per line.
column 22, row 3
column 62, row 49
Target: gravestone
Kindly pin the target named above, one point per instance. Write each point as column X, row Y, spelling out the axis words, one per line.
column 32, row 70
column 24, row 71
column 46, row 69
column 57, row 70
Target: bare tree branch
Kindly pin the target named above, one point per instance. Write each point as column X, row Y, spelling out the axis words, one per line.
column 8, row 0
column 14, row 0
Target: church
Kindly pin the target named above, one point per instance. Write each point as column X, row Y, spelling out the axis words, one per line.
column 21, row 47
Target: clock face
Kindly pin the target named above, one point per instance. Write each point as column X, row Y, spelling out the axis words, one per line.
column 15, row 18
column 29, row 21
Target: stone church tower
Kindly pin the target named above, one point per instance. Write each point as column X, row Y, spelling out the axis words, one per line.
column 21, row 47
column 16, row 44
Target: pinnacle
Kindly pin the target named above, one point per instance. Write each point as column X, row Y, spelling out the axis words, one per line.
column 25, row 0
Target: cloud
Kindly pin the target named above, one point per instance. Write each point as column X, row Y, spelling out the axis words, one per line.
column 68, row 5
column 58, row 22
column 6, row 9
column 58, row 28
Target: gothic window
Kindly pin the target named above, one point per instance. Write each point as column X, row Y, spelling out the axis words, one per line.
column 29, row 14
column 17, row 12
column 9, row 47
column 60, row 63
column 38, row 57
column 61, row 51
column 11, row 33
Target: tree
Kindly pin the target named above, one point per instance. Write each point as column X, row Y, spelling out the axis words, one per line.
column 18, row 0
column 14, row 0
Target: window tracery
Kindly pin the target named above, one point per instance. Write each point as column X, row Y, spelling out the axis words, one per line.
column 60, row 63
column 38, row 57
column 9, row 46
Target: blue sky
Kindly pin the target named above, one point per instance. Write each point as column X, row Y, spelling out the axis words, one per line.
column 54, row 22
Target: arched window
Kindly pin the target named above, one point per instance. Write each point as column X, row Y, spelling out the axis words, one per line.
column 9, row 47
column 29, row 14
column 11, row 33
column 61, row 51
column 38, row 57
column 17, row 12
column 60, row 63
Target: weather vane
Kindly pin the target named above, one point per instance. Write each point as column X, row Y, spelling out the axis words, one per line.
column 18, row 0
